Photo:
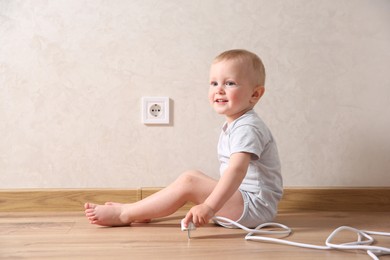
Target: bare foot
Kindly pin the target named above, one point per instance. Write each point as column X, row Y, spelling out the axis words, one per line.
column 113, row 203
column 106, row 215
column 121, row 204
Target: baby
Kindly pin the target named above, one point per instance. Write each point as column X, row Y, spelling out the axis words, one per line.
column 250, row 183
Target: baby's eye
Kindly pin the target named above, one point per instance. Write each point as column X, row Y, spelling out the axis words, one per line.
column 230, row 84
column 213, row 84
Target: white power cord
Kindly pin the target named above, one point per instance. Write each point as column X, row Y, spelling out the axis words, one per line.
column 363, row 241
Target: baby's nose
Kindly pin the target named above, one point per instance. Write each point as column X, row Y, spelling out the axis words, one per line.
column 220, row 89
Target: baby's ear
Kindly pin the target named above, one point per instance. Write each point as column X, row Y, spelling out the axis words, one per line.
column 258, row 92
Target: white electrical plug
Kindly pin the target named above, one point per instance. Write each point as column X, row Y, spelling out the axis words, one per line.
column 187, row 228
column 190, row 226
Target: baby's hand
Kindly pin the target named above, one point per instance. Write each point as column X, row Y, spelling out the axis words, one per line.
column 199, row 215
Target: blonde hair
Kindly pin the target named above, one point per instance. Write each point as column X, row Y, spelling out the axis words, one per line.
column 248, row 57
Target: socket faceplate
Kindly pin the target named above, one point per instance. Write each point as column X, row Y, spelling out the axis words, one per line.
column 155, row 110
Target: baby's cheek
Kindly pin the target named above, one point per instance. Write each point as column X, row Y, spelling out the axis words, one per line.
column 211, row 99
column 211, row 95
column 240, row 97
column 235, row 98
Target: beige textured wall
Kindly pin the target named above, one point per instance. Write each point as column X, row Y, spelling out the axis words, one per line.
column 72, row 74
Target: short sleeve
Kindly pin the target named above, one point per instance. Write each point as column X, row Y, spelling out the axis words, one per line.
column 248, row 139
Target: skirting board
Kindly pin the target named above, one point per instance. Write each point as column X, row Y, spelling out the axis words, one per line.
column 294, row 199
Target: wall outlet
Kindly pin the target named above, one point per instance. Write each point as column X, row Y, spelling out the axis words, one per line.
column 155, row 110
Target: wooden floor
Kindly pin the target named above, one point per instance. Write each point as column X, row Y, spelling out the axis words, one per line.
column 70, row 236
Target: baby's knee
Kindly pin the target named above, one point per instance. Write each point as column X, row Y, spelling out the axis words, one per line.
column 190, row 176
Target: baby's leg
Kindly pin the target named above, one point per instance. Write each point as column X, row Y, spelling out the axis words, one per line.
column 191, row 186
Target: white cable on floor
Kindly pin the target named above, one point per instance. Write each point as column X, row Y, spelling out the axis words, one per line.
column 363, row 241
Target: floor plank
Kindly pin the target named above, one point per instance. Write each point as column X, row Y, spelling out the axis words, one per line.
column 68, row 235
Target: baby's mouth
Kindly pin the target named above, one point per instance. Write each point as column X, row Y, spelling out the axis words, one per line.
column 220, row 100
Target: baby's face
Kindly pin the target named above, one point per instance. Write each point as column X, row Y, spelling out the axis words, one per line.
column 231, row 88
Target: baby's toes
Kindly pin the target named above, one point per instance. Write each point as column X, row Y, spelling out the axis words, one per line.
column 92, row 218
column 90, row 213
column 89, row 206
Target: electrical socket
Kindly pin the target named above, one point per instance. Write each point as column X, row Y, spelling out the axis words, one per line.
column 155, row 110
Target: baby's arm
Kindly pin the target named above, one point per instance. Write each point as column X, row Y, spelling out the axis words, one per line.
column 230, row 181
column 225, row 188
